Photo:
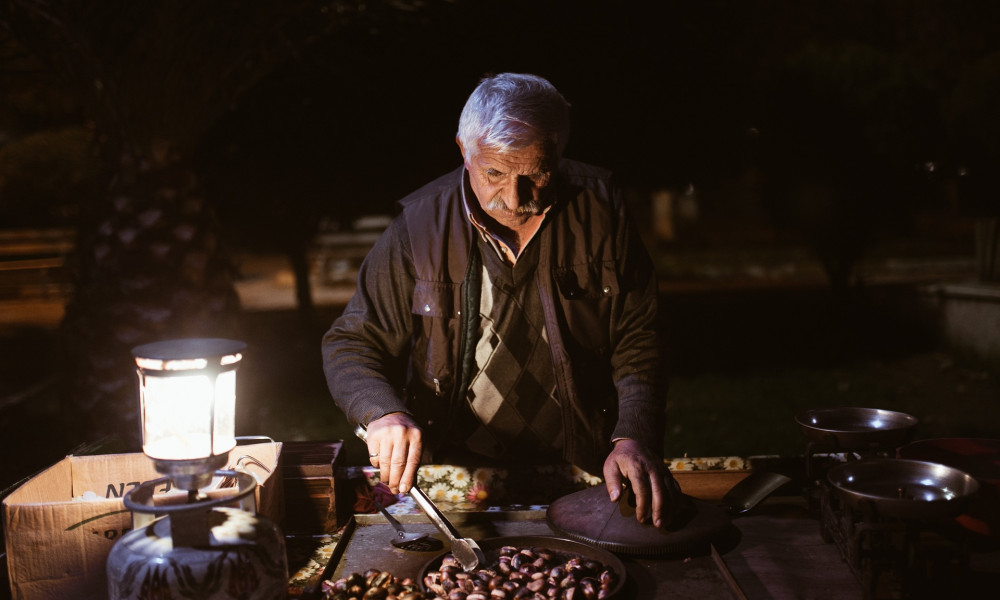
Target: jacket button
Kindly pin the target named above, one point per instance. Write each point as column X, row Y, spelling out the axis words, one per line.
column 427, row 308
column 607, row 290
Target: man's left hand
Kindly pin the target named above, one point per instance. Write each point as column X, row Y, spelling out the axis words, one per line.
column 657, row 495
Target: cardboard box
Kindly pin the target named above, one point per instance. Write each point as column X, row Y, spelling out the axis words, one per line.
column 58, row 541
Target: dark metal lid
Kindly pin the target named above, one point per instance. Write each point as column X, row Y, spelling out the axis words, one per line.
column 189, row 348
column 590, row 517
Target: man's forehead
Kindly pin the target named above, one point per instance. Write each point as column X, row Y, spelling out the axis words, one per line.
column 534, row 156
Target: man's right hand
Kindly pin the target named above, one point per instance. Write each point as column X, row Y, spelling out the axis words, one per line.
column 394, row 446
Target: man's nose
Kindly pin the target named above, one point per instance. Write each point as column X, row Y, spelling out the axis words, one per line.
column 520, row 191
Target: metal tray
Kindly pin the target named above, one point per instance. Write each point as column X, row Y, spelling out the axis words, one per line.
column 365, row 544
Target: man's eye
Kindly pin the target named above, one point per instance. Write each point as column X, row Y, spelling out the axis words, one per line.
column 493, row 174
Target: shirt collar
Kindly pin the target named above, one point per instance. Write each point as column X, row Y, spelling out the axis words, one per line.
column 502, row 249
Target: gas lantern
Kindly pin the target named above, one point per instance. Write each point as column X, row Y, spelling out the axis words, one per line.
column 200, row 539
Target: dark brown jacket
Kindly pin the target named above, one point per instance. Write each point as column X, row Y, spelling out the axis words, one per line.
column 408, row 321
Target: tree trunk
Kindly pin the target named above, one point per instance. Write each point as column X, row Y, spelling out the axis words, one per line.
column 149, row 267
column 299, row 259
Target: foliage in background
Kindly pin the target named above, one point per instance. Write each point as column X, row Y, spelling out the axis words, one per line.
column 149, row 263
column 845, row 137
column 973, row 117
column 46, row 176
column 274, row 111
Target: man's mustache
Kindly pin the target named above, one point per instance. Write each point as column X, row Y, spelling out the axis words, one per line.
column 532, row 207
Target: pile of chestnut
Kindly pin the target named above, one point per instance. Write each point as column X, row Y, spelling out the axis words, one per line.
column 374, row 585
column 518, row 574
column 524, row 574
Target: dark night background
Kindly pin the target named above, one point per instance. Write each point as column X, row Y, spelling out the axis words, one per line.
column 816, row 140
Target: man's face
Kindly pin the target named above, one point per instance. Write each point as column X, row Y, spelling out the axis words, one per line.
column 512, row 186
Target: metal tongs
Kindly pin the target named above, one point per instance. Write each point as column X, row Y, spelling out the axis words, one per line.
column 466, row 551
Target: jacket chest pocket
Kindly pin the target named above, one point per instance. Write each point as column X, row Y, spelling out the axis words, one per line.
column 435, row 348
column 588, row 281
column 586, row 293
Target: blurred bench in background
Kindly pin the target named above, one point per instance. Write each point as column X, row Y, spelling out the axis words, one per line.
column 33, row 262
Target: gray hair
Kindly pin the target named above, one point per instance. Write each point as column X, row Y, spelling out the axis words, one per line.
column 511, row 111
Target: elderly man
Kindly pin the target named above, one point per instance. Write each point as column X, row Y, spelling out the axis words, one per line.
column 508, row 313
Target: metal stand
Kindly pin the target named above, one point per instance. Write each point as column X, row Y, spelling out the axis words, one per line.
column 189, row 513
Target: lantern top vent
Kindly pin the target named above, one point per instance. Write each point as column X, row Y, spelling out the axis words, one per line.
column 206, row 351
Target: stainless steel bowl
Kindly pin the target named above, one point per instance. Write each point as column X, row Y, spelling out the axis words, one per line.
column 850, row 428
column 905, row 489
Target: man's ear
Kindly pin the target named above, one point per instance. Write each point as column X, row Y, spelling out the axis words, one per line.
column 461, row 148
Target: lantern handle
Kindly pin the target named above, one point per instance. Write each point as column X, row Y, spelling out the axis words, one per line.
column 254, row 439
